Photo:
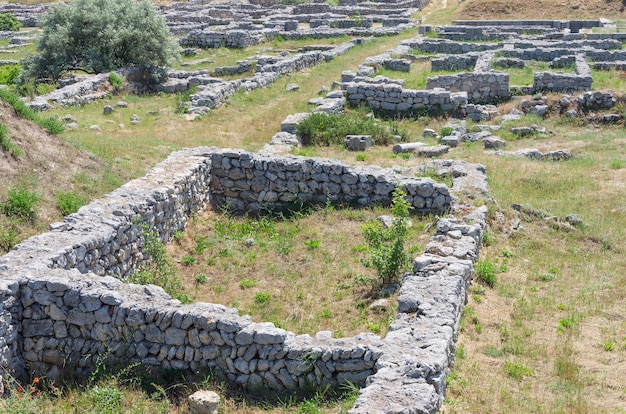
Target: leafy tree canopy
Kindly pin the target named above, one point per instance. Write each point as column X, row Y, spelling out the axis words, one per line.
column 98, row 36
column 8, row 22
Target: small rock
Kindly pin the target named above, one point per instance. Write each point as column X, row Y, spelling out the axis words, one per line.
column 71, row 125
column 249, row 242
column 292, row 87
column 95, row 128
column 324, row 89
column 388, row 221
column 493, row 142
column 540, row 110
column 121, row 126
column 575, row 6
column 134, row 119
column 574, row 220
column 521, row 131
column 121, row 104
column 429, row 133
column 451, row 140
column 204, row 402
column 431, row 151
column 108, row 110
column 68, row 118
column 379, row 305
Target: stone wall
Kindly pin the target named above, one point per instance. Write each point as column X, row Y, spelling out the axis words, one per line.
column 55, row 317
column 455, row 62
column 445, row 46
column 565, row 82
column 392, row 97
column 485, row 87
column 252, row 183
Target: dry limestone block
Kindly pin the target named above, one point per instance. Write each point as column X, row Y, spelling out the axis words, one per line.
column 204, row 402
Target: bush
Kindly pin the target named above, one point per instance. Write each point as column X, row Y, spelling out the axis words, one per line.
column 9, row 23
column 96, row 36
column 485, row 272
column 160, row 270
column 20, row 203
column 386, row 245
column 116, row 81
column 69, row 202
column 330, row 129
column 8, row 74
column 7, row 144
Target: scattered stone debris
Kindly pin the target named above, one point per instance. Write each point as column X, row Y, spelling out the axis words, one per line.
column 535, row 154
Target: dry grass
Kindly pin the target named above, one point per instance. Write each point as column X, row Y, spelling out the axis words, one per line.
column 304, row 273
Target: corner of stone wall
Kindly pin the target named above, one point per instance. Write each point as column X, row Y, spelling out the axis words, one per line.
column 419, row 349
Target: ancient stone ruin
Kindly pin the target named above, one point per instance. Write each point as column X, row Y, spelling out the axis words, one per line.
column 63, row 302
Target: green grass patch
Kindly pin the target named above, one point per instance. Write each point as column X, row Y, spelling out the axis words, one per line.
column 323, row 129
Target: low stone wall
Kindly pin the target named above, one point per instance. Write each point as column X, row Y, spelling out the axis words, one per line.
column 485, row 87
column 565, row 82
column 341, row 23
column 254, row 183
column 455, row 62
column 547, row 54
column 392, row 97
column 57, row 319
column 233, row 38
column 445, row 46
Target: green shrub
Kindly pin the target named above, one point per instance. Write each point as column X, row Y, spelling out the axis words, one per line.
column 386, row 245
column 485, row 272
column 116, row 81
column 331, row 129
column 8, row 239
column 262, row 297
column 201, row 278
column 69, row 202
column 159, row 271
column 517, row 371
column 97, row 36
column 106, row 400
column 53, row 125
column 9, row 23
column 44, row 88
column 8, row 74
column 20, row 203
column 7, row 144
column 445, row 131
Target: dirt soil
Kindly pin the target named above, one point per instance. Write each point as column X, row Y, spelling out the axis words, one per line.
column 47, row 164
column 539, row 10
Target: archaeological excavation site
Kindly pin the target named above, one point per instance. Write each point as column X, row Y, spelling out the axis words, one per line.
column 504, row 136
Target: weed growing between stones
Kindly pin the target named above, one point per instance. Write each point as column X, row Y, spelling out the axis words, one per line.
column 159, row 271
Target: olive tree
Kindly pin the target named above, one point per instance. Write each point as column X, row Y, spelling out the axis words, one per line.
column 96, row 36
